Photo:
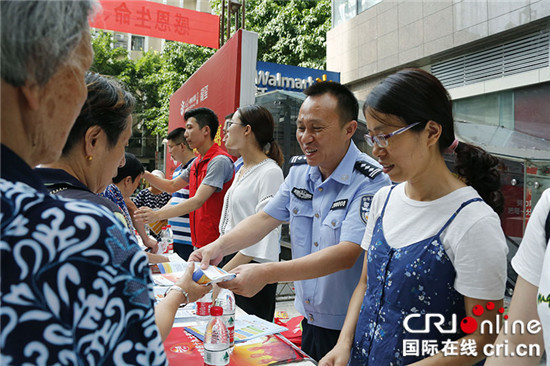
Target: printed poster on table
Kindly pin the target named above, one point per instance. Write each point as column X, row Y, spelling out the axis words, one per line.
column 182, row 348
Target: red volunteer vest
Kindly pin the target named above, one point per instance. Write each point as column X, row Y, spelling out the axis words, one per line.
column 205, row 220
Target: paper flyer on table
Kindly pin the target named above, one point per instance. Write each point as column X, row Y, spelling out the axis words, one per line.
column 171, row 271
column 246, row 327
column 187, row 313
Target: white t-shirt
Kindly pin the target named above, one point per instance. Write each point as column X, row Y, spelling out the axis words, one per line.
column 248, row 195
column 474, row 241
column 532, row 261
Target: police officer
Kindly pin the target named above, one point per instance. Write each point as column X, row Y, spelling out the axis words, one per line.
column 326, row 198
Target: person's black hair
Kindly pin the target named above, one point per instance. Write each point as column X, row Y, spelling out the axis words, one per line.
column 348, row 107
column 108, row 106
column 262, row 124
column 415, row 95
column 133, row 168
column 177, row 135
column 204, row 117
column 229, row 116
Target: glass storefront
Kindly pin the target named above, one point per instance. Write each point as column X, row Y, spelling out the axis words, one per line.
column 524, row 109
column 514, row 125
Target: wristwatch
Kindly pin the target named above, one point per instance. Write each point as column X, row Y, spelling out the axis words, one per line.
column 180, row 290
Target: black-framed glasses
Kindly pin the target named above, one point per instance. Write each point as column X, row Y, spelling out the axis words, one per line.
column 231, row 123
column 382, row 140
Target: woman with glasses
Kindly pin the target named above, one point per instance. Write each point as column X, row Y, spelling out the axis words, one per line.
column 435, row 265
column 250, row 133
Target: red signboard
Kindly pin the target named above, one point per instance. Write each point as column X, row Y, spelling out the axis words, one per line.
column 152, row 19
column 216, row 85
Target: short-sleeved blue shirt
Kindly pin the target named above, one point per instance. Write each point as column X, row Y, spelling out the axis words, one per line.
column 322, row 214
column 76, row 288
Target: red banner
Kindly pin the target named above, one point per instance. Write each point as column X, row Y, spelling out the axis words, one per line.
column 152, row 19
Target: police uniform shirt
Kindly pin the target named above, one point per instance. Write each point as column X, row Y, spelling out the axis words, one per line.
column 322, row 214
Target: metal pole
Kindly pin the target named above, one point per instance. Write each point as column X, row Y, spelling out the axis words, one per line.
column 243, row 12
column 222, row 26
column 228, row 19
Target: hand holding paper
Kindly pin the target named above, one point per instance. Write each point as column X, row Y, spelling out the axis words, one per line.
column 171, row 271
column 250, row 280
column 188, row 283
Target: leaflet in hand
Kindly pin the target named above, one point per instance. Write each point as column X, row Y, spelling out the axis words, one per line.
column 171, row 271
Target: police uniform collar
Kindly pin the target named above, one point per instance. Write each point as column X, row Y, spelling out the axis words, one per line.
column 343, row 172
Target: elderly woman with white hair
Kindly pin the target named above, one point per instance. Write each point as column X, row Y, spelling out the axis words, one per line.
column 75, row 287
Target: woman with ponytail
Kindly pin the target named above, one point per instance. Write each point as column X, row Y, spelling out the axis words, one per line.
column 434, row 242
column 250, row 132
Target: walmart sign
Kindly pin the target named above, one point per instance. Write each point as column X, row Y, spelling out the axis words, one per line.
column 270, row 76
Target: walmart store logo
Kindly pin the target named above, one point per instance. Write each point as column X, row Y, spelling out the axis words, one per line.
column 270, row 76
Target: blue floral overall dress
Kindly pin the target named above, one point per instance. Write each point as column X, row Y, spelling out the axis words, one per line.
column 418, row 278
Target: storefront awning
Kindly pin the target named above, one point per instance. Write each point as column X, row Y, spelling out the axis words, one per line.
column 503, row 141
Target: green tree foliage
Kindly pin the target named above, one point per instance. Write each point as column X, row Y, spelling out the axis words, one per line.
column 108, row 60
column 153, row 78
column 291, row 32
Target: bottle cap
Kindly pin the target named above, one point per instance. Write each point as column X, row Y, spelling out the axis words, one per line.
column 169, row 226
column 216, row 311
column 164, row 228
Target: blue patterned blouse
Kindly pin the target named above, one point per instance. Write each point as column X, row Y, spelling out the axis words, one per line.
column 75, row 288
column 114, row 194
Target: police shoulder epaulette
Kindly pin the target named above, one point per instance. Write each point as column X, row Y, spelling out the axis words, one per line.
column 367, row 169
column 298, row 160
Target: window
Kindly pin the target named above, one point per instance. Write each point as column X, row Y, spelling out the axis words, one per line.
column 120, row 40
column 344, row 10
column 363, row 5
column 138, row 43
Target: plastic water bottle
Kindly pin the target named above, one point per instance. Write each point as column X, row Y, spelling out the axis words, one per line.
column 163, row 242
column 170, row 238
column 204, row 304
column 216, row 340
column 226, row 300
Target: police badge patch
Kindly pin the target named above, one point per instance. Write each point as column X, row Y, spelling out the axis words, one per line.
column 364, row 208
column 302, row 193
